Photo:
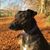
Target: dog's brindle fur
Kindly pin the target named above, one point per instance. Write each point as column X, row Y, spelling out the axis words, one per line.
column 24, row 20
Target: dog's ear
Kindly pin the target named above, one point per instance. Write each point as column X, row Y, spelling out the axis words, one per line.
column 31, row 12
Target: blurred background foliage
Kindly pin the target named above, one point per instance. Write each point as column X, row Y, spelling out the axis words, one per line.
column 11, row 7
column 5, row 14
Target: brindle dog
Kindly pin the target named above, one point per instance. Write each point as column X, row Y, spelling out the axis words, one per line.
column 24, row 20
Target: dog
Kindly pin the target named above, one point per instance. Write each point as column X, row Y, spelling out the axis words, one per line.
column 24, row 21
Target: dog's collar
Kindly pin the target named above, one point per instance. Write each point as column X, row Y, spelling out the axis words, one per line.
column 32, row 30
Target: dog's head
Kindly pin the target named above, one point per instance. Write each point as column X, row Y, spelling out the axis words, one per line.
column 24, row 15
column 22, row 18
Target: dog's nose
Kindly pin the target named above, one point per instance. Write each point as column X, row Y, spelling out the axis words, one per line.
column 15, row 26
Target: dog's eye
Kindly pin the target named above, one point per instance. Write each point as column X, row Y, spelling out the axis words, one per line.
column 21, row 20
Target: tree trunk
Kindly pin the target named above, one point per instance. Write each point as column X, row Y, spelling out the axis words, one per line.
column 43, row 6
